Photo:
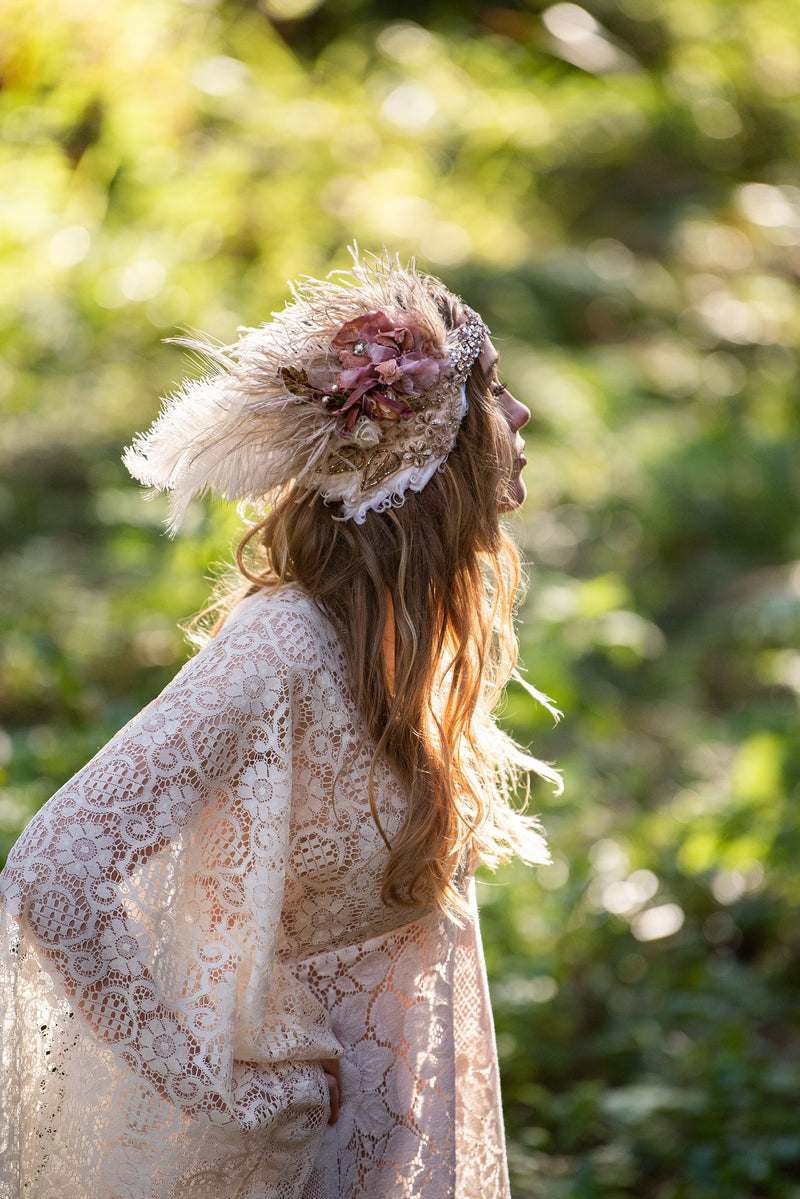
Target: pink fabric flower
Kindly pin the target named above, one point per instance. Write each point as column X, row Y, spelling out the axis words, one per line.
column 383, row 366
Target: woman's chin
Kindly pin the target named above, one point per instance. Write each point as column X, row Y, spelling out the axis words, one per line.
column 515, row 495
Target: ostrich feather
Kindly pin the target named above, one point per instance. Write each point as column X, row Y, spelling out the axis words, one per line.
column 241, row 434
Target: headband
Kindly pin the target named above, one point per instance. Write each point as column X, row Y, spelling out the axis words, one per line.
column 356, row 391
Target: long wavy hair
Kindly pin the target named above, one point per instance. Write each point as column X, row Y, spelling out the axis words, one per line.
column 422, row 598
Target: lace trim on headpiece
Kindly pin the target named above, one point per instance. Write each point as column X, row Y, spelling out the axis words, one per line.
column 356, row 391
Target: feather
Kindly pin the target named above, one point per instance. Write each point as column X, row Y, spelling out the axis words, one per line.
column 239, row 433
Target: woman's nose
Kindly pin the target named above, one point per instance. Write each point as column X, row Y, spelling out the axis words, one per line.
column 518, row 414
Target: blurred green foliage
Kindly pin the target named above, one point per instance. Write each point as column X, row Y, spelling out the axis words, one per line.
column 616, row 187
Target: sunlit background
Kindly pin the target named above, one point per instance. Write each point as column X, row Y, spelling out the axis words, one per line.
column 616, row 188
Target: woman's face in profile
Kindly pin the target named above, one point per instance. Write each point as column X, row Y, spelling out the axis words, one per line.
column 516, row 415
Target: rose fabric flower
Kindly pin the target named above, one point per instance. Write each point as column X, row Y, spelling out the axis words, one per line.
column 383, row 366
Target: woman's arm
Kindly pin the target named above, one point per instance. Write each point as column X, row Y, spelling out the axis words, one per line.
column 152, row 882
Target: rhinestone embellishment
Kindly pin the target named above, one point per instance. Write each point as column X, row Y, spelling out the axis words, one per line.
column 470, row 336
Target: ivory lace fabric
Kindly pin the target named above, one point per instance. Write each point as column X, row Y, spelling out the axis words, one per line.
column 194, row 921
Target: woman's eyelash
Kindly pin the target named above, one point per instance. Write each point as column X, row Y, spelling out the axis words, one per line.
column 498, row 388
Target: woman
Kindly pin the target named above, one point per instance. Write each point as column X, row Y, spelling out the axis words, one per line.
column 242, row 953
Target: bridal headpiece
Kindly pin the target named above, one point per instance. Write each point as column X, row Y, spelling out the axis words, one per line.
column 355, row 391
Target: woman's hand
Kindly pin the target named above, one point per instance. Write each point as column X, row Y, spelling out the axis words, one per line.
column 333, row 1077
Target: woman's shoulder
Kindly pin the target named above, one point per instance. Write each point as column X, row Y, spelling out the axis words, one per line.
column 285, row 620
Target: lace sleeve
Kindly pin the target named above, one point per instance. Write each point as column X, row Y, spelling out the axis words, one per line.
column 148, row 894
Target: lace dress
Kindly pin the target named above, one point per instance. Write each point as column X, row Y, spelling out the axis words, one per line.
column 194, row 921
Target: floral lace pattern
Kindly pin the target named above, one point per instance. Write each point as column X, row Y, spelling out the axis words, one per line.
column 194, row 921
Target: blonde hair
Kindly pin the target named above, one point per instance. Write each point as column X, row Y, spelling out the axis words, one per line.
column 441, row 574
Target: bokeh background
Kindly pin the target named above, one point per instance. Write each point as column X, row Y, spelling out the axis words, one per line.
column 615, row 186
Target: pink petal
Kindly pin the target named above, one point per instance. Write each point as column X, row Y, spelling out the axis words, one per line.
column 352, row 378
column 361, row 328
column 361, row 388
column 388, row 371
